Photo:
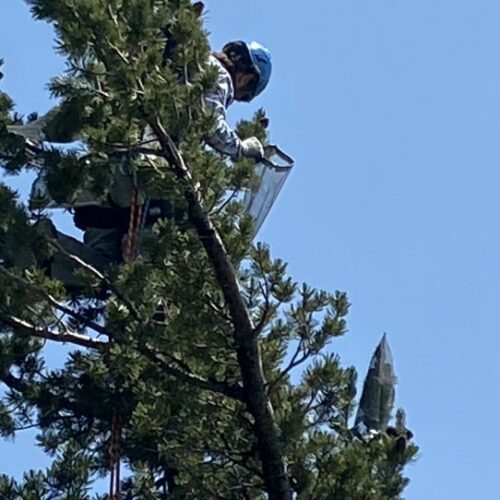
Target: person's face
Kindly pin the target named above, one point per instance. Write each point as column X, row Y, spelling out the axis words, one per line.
column 244, row 86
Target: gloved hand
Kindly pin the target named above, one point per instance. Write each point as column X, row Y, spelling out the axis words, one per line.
column 252, row 148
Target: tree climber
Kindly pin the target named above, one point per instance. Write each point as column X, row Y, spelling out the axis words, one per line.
column 244, row 70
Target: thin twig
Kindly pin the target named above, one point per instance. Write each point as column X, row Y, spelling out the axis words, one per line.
column 266, row 309
column 294, row 362
column 119, row 53
column 229, row 199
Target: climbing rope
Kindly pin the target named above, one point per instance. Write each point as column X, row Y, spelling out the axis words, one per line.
column 136, row 223
column 114, row 455
column 134, row 228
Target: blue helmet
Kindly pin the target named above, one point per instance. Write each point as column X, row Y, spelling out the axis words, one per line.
column 261, row 60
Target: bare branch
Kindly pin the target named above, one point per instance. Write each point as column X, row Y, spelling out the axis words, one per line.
column 27, row 329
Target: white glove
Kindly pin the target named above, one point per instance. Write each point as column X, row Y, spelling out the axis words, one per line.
column 252, row 148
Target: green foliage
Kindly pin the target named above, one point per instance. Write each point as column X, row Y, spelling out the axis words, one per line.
column 179, row 440
column 254, row 128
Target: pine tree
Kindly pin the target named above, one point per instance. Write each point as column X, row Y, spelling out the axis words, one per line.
column 203, row 404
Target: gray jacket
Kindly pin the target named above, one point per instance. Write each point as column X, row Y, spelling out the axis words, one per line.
column 224, row 138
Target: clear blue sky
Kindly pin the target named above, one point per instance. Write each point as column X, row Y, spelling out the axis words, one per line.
column 391, row 110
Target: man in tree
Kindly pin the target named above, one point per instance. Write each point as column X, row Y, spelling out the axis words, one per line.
column 243, row 73
column 207, row 405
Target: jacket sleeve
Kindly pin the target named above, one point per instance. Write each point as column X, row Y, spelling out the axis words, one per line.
column 224, row 139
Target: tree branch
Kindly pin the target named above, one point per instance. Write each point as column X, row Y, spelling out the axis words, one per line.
column 294, row 362
column 134, row 150
column 72, row 337
column 247, row 348
column 234, row 392
column 53, row 302
column 25, row 328
column 266, row 310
